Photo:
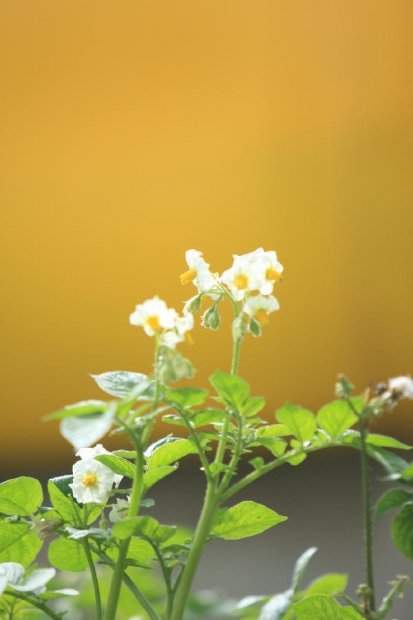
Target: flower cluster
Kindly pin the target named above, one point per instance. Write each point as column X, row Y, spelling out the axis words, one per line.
column 92, row 480
column 249, row 283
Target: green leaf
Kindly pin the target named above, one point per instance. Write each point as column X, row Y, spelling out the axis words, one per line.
column 87, row 430
column 336, row 417
column 208, row 416
column 330, row 584
column 153, row 476
column 301, row 422
column 254, row 405
column 20, row 496
column 140, row 553
column 392, row 498
column 187, row 397
column 67, row 554
column 167, row 451
column 273, row 430
column 121, row 383
column 85, row 407
column 243, row 520
column 232, row 389
column 118, row 465
column 63, row 504
column 144, row 526
column 402, row 531
column 275, row 445
column 18, row 543
column 323, row 607
column 383, row 441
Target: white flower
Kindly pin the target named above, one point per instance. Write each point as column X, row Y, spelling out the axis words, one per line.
column 255, row 271
column 180, row 333
column 92, row 482
column 154, row 316
column 90, row 453
column 198, row 273
column 401, row 386
column 259, row 307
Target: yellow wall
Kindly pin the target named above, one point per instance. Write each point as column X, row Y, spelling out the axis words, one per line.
column 132, row 130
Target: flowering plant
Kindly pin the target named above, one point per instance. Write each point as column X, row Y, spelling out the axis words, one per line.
column 95, row 519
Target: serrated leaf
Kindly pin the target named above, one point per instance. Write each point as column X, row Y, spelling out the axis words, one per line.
column 117, row 464
column 67, row 554
column 253, row 406
column 122, row 383
column 244, row 519
column 20, row 496
column 232, row 389
column 301, row 422
column 18, row 543
column 153, row 476
column 85, row 407
column 87, row 430
column 336, row 417
column 165, row 452
column 392, row 498
column 187, row 397
column 402, row 531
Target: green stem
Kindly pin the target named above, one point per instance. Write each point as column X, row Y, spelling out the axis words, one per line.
column 367, row 516
column 28, row 599
column 134, row 505
column 211, row 503
column 200, row 536
column 119, row 570
column 95, row 581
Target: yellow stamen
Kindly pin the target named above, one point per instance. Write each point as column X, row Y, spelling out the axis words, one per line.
column 153, row 323
column 89, row 480
column 188, row 338
column 272, row 274
column 188, row 276
column 262, row 317
column 241, row 281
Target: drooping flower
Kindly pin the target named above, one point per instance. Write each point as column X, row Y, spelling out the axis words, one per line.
column 259, row 307
column 92, row 482
column 198, row 273
column 154, row 316
column 401, row 387
column 86, row 454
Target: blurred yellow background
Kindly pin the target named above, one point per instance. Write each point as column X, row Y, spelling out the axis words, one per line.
column 131, row 131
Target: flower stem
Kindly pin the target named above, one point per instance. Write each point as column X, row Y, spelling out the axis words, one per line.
column 95, row 581
column 211, row 503
column 35, row 602
column 367, row 517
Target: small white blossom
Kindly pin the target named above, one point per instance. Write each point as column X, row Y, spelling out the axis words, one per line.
column 401, row 386
column 198, row 273
column 259, row 307
column 90, row 453
column 92, row 482
column 154, row 316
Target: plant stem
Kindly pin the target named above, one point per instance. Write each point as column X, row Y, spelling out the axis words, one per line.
column 95, row 581
column 134, row 505
column 118, row 574
column 28, row 599
column 201, row 533
column 368, row 538
column 211, row 503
